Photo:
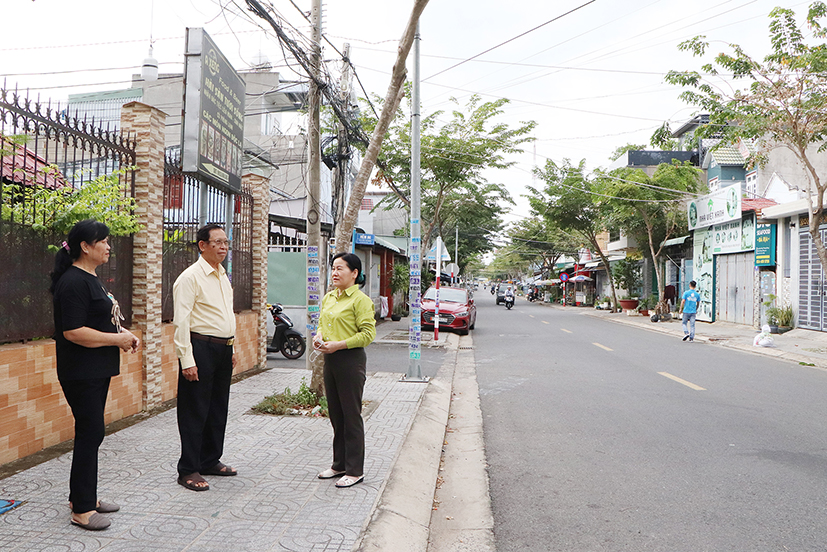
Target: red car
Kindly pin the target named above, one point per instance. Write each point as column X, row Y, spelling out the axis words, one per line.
column 457, row 310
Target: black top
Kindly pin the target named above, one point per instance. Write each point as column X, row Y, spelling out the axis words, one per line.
column 81, row 300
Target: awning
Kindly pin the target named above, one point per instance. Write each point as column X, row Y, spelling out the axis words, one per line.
column 377, row 240
column 592, row 264
column 580, row 278
column 675, row 241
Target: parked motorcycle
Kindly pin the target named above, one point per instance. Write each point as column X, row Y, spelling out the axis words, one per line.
column 533, row 296
column 285, row 339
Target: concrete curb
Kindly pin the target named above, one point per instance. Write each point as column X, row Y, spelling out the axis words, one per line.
column 462, row 519
column 402, row 514
column 664, row 328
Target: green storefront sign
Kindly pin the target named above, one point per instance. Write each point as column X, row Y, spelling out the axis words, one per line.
column 765, row 245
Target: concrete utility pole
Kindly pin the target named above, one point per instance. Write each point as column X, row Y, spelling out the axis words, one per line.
column 342, row 144
column 415, row 253
column 316, row 255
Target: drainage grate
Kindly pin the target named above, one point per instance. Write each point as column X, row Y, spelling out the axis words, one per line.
column 466, row 348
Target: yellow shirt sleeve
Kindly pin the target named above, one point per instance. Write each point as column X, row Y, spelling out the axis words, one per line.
column 365, row 322
column 183, row 293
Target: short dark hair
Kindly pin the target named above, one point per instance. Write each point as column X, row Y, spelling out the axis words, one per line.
column 692, row 283
column 353, row 263
column 203, row 234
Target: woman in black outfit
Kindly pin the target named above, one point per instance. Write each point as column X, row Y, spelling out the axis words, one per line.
column 88, row 336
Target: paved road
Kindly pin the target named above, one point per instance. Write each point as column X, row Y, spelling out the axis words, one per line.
column 382, row 357
column 598, row 438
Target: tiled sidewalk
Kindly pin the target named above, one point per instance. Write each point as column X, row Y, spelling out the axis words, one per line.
column 276, row 503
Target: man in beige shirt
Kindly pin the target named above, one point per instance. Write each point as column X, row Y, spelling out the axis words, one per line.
column 204, row 331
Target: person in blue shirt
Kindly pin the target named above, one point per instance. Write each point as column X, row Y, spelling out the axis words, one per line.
column 689, row 308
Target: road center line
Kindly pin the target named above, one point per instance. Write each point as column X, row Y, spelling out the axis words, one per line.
column 565, row 330
column 682, row 381
column 531, row 316
column 544, row 322
column 602, row 347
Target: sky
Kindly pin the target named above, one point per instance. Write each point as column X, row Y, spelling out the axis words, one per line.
column 591, row 76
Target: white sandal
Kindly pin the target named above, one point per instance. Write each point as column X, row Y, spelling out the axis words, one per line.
column 330, row 473
column 349, row 481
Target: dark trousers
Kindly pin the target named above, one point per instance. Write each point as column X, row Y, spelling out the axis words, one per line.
column 344, row 383
column 202, row 407
column 87, row 399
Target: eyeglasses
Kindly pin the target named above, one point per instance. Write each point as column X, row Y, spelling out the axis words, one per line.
column 219, row 243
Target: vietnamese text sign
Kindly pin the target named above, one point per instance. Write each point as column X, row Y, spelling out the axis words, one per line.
column 765, row 245
column 735, row 236
column 365, row 239
column 212, row 142
column 715, row 208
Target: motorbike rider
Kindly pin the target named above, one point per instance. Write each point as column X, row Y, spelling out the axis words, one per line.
column 509, row 294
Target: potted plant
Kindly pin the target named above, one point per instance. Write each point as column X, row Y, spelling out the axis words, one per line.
column 784, row 317
column 626, row 274
column 645, row 304
column 780, row 319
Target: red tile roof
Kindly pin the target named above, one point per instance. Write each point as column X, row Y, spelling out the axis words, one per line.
column 756, row 204
column 24, row 166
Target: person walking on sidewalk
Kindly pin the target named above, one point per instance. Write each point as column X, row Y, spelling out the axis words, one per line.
column 88, row 340
column 346, row 327
column 204, row 325
column 689, row 308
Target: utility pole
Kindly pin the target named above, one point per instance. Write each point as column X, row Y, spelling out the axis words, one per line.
column 456, row 256
column 415, row 253
column 342, row 144
column 316, row 255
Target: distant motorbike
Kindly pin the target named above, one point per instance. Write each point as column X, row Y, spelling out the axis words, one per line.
column 493, row 291
column 285, row 339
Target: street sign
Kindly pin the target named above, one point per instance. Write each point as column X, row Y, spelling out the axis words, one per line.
column 564, row 277
column 364, row 239
column 452, row 269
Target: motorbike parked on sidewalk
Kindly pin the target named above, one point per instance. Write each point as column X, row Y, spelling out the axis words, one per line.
column 285, row 339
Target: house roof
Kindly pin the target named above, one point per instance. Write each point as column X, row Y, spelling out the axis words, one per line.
column 24, row 166
column 728, row 155
column 756, row 204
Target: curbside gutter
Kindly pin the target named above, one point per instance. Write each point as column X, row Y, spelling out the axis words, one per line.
column 402, row 514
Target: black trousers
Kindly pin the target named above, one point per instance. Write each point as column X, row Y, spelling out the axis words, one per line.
column 344, row 384
column 202, row 407
column 87, row 399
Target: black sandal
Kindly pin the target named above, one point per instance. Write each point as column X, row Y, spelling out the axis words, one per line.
column 189, row 481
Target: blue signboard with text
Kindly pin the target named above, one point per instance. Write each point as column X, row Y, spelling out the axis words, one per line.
column 364, row 239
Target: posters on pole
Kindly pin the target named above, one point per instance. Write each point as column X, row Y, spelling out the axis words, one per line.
column 212, row 135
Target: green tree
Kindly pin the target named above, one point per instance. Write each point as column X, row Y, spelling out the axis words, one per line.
column 780, row 101
column 541, row 243
column 456, row 156
column 651, row 208
column 573, row 202
column 623, row 149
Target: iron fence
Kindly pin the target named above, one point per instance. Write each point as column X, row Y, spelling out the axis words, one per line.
column 46, row 154
column 189, row 203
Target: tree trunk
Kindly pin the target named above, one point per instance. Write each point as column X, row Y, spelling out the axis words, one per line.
column 393, row 97
column 599, row 251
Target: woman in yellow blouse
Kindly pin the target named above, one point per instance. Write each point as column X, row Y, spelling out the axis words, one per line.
column 346, row 327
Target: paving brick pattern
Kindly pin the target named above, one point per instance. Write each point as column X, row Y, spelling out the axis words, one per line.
column 276, row 503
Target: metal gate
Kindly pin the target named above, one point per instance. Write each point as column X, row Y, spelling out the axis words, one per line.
column 811, row 300
column 734, row 294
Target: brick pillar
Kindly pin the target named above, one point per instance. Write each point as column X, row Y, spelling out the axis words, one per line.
column 147, row 125
column 259, row 186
